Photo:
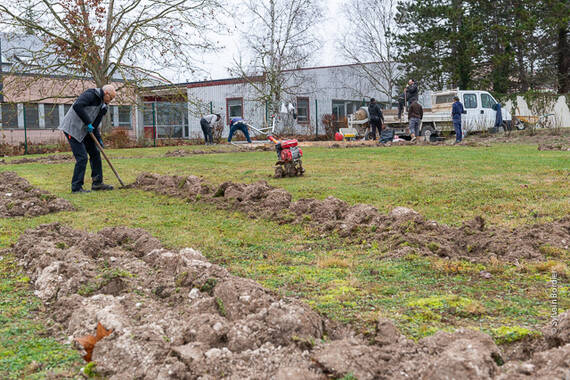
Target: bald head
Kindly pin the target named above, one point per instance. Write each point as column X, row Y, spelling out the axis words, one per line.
column 109, row 93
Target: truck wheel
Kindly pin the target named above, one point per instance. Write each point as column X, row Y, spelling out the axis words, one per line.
column 518, row 124
column 429, row 133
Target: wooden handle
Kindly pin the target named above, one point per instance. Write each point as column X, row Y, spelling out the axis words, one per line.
column 107, row 159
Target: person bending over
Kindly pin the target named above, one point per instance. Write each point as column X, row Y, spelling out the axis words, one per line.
column 82, row 119
column 238, row 123
column 207, row 124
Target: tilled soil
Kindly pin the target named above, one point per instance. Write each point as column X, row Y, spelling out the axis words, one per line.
column 403, row 230
column 234, row 149
column 174, row 315
column 54, row 159
column 19, row 198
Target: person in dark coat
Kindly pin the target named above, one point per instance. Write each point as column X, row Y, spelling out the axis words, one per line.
column 412, row 92
column 456, row 111
column 82, row 119
column 498, row 117
column 376, row 118
column 401, row 104
column 415, row 116
column 238, row 123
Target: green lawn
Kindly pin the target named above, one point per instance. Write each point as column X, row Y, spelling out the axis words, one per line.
column 508, row 184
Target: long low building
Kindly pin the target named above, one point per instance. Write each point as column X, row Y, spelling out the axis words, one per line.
column 175, row 110
column 32, row 103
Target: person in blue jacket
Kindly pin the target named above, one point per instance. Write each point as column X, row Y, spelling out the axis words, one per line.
column 456, row 111
column 238, row 123
column 82, row 119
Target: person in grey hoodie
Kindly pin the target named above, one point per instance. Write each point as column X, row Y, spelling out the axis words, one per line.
column 82, row 119
column 207, row 125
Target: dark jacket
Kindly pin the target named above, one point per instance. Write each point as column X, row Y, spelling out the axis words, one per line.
column 89, row 108
column 498, row 116
column 412, row 93
column 416, row 111
column 375, row 112
column 457, row 110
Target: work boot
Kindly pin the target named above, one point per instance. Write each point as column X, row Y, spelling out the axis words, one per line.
column 80, row 191
column 413, row 138
column 101, row 186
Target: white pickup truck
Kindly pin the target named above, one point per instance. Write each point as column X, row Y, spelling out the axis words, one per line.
column 479, row 116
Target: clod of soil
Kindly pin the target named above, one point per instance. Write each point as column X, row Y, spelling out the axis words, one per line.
column 174, row 315
column 19, row 198
column 402, row 228
column 54, row 159
column 233, row 149
column 553, row 147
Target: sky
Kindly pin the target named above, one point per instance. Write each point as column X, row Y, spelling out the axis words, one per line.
column 215, row 65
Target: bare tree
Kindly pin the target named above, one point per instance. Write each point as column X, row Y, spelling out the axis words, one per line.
column 280, row 36
column 370, row 42
column 106, row 40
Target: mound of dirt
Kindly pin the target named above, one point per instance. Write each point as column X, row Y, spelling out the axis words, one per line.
column 54, row 159
column 19, row 198
column 472, row 241
column 175, row 315
column 233, row 149
column 553, row 147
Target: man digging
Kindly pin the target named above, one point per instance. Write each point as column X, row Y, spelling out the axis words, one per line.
column 82, row 119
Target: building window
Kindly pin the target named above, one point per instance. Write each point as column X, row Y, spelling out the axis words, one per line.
column 122, row 116
column 234, row 108
column 66, row 108
column 148, row 114
column 51, row 115
column 32, row 117
column 171, row 119
column 470, row 100
column 342, row 108
column 9, row 115
column 338, row 109
column 303, row 115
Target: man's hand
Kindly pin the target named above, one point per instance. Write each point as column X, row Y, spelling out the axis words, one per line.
column 90, row 128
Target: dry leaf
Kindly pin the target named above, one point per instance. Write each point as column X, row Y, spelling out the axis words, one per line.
column 102, row 332
column 88, row 341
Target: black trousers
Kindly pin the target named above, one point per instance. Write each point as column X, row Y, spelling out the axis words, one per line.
column 80, row 151
column 373, row 127
column 207, row 129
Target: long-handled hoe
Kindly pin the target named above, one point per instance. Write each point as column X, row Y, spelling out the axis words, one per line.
column 107, row 159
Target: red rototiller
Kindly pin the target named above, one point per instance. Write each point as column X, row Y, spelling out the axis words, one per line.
column 288, row 158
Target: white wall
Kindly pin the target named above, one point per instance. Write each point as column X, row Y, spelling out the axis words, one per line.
column 558, row 108
column 322, row 85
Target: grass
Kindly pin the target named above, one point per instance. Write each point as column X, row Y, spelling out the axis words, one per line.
column 353, row 283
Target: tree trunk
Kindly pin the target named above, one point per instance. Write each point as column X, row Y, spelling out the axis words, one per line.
column 563, row 61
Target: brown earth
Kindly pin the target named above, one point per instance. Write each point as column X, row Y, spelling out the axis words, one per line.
column 54, row 159
column 553, row 147
column 403, row 230
column 174, row 315
column 19, row 198
column 232, row 149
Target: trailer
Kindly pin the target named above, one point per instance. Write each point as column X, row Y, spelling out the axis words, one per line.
column 480, row 116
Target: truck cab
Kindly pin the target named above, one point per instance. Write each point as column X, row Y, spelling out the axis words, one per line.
column 479, row 106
